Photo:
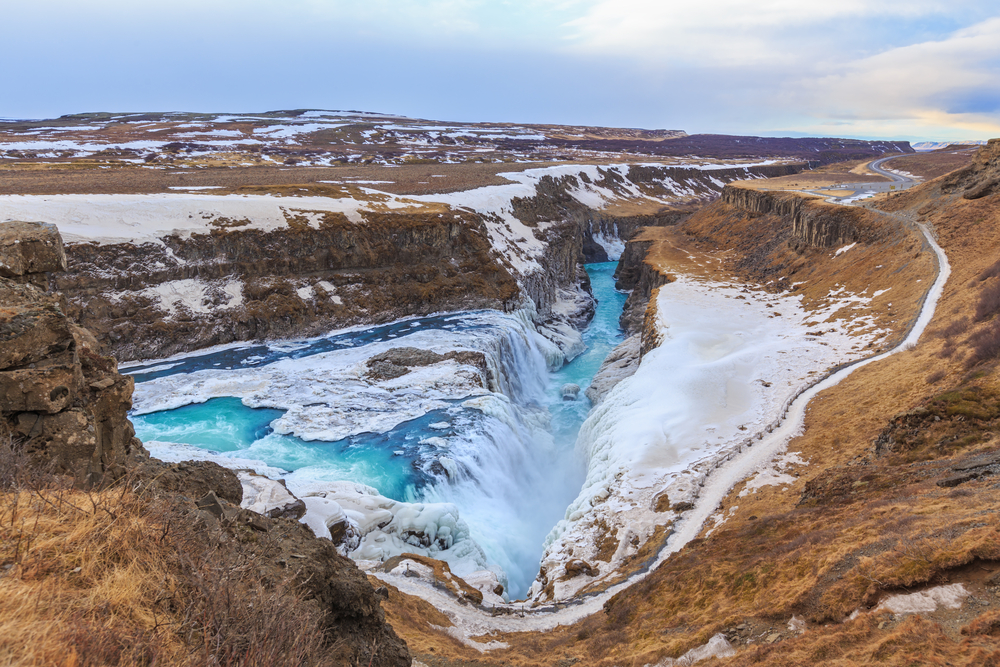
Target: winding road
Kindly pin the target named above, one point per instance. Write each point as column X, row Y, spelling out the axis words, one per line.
column 865, row 190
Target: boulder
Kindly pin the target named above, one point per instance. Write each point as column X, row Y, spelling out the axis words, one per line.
column 30, row 248
column 570, row 391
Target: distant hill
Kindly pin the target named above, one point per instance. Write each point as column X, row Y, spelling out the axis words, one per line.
column 316, row 138
column 938, row 145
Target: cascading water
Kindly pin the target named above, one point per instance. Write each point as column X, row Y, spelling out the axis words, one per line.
column 505, row 457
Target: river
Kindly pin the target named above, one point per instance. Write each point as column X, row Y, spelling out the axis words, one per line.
column 304, row 412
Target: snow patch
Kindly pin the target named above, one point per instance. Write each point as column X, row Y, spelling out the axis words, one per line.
column 716, row 647
column 840, row 251
column 772, row 473
column 925, row 602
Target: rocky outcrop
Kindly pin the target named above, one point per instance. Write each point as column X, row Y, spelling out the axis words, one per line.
column 979, row 179
column 59, row 396
column 243, row 284
column 620, row 363
column 193, row 479
column 679, row 189
column 398, row 361
column 635, row 275
column 29, row 251
column 204, row 498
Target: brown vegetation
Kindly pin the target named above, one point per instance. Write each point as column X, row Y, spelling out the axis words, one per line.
column 115, row 577
column 933, row 164
column 136, row 573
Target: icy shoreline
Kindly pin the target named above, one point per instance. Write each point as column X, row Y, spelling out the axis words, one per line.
column 472, row 435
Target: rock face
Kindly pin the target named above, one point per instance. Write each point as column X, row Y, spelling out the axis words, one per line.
column 58, row 394
column 235, row 284
column 235, row 279
column 634, row 274
column 620, row 363
column 979, row 179
column 29, row 251
column 816, row 224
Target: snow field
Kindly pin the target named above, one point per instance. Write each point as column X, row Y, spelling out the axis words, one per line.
column 726, row 368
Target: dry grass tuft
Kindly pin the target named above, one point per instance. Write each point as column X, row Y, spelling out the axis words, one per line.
column 114, row 578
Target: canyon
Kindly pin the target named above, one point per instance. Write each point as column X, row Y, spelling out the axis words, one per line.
column 464, row 308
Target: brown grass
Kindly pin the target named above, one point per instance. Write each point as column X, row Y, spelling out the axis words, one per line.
column 933, row 164
column 852, row 171
column 114, row 578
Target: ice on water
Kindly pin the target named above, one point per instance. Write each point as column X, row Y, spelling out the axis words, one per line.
column 441, row 461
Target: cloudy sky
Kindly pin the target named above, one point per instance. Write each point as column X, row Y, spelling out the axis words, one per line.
column 901, row 69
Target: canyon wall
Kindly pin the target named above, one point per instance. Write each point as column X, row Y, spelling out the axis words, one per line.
column 59, row 396
column 812, row 222
column 232, row 279
column 231, row 285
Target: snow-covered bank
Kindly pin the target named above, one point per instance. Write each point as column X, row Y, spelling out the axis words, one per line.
column 729, row 362
column 774, row 442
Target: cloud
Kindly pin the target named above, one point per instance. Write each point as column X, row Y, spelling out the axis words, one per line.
column 951, row 81
column 737, row 33
column 845, row 67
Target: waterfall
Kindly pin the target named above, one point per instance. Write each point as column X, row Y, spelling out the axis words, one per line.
column 470, row 474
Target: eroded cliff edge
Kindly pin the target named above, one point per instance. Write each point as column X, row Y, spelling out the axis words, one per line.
column 60, row 395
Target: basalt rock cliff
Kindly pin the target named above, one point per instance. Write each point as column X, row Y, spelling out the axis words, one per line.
column 58, row 393
column 271, row 284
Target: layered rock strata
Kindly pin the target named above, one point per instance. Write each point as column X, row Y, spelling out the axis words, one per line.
column 58, row 393
column 207, row 289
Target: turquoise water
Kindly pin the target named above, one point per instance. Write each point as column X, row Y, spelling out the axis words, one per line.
column 220, row 425
column 390, row 462
column 512, row 483
column 601, row 336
